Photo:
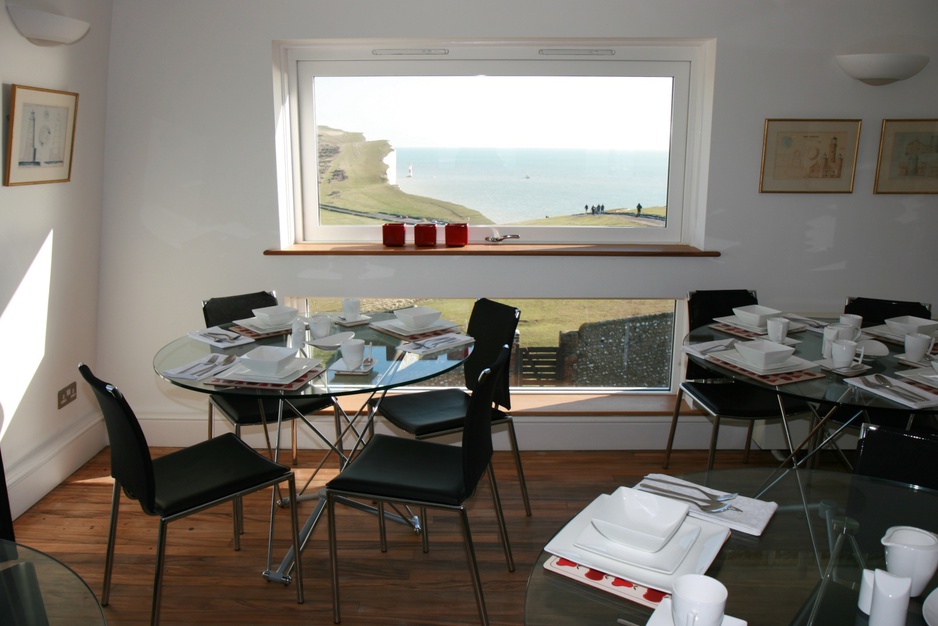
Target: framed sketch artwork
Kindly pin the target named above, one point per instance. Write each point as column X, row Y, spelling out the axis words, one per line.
column 809, row 156
column 41, row 136
column 908, row 157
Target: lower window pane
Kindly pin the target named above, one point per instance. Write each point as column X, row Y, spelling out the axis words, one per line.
column 565, row 344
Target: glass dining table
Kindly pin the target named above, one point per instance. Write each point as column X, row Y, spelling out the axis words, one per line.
column 795, row 574
column 38, row 589
column 392, row 368
column 836, row 402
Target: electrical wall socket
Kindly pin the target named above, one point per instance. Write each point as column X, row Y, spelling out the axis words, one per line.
column 67, row 393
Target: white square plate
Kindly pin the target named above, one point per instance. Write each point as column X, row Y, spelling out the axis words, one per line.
column 662, row 616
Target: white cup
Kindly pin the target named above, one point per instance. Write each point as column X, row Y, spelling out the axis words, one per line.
column 917, row 345
column 890, row 603
column 351, row 309
column 843, row 353
column 698, row 600
column 778, row 329
column 353, row 353
column 830, row 334
column 847, row 331
column 319, row 326
column 851, row 320
column 865, row 600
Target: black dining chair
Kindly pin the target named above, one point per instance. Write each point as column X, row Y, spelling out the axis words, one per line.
column 190, row 480
column 721, row 397
column 876, row 311
column 440, row 412
column 21, row 601
column 900, row 455
column 426, row 474
column 241, row 411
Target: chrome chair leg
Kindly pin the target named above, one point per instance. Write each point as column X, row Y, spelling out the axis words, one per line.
column 333, row 557
column 674, row 416
column 473, row 566
column 714, row 434
column 111, row 538
column 514, row 446
column 500, row 515
column 158, row 575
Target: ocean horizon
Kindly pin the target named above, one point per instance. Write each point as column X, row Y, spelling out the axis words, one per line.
column 517, row 184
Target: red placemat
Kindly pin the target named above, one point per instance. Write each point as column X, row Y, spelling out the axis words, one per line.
column 293, row 385
column 253, row 334
column 418, row 337
column 729, row 329
column 770, row 379
column 606, row 582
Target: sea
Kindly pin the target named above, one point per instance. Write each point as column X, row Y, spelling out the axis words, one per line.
column 512, row 185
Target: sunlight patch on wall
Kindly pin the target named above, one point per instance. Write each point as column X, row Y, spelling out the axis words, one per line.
column 23, row 333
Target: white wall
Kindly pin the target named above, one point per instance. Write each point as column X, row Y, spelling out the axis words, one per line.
column 49, row 243
column 190, row 192
column 191, row 189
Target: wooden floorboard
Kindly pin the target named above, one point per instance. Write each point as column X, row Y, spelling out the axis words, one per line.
column 207, row 582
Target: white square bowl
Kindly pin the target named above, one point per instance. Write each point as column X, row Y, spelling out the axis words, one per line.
column 764, row 354
column 268, row 359
column 639, row 519
column 755, row 314
column 275, row 315
column 417, row 317
column 908, row 324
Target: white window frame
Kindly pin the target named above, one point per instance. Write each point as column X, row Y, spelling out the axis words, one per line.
column 690, row 62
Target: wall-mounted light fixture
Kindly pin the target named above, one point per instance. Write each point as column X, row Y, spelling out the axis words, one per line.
column 881, row 69
column 46, row 29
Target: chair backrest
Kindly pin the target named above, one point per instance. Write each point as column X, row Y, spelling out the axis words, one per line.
column 900, row 455
column 876, row 311
column 225, row 309
column 703, row 306
column 131, row 464
column 477, row 430
column 492, row 325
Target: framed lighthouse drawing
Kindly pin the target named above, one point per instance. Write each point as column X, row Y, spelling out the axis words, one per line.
column 41, row 136
column 809, row 156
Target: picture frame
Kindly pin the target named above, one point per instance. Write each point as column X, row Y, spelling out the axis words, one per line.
column 908, row 157
column 809, row 155
column 41, row 136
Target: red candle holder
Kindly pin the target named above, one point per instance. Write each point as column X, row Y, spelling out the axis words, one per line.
column 393, row 235
column 425, row 235
column 457, row 235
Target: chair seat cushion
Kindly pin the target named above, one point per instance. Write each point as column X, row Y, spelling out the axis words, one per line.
column 426, row 412
column 409, row 469
column 739, row 400
column 208, row 471
column 244, row 410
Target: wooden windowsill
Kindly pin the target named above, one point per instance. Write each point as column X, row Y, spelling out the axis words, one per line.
column 502, row 249
column 568, row 405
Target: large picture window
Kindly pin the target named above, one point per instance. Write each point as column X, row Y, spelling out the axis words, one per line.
column 555, row 141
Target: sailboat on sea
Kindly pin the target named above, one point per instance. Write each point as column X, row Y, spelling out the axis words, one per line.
column 410, row 171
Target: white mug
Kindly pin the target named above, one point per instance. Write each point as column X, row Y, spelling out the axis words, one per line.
column 319, row 326
column 698, row 600
column 851, row 320
column 847, row 331
column 778, row 329
column 353, row 353
column 865, row 600
column 890, row 602
column 843, row 352
column 830, row 334
column 351, row 309
column 917, row 345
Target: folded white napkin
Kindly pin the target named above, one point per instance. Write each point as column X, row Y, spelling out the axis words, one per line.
column 708, row 347
column 206, row 367
column 437, row 344
column 752, row 519
column 927, row 399
column 219, row 337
